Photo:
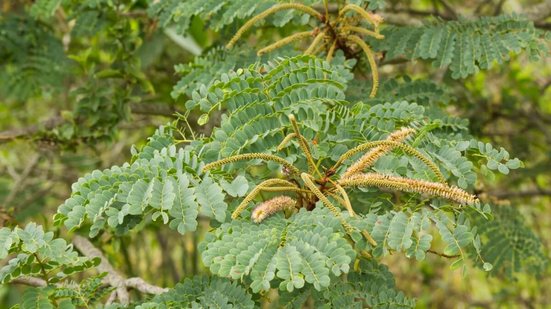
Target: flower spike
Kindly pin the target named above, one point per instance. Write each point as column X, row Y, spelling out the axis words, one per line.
column 272, row 10
column 371, row 59
column 368, row 159
column 250, row 197
column 272, row 206
column 404, row 147
column 251, row 156
column 410, row 185
column 286, row 40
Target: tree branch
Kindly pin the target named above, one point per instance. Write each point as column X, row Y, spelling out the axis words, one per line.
column 113, row 277
column 49, row 124
column 520, row 194
column 152, row 109
column 144, row 287
column 18, row 183
column 30, row 281
column 539, row 11
column 443, row 254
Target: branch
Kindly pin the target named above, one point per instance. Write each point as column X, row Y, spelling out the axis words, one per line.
column 18, row 183
column 539, row 12
column 144, row 287
column 113, row 277
column 401, row 19
column 152, row 109
column 41, row 283
column 519, row 194
column 49, row 124
column 31, row 281
column 443, row 254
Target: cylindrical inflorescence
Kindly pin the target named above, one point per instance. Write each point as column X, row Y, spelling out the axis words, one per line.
column 410, row 185
column 272, row 206
column 369, row 158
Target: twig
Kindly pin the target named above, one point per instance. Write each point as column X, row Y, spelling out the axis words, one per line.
column 154, row 109
column 144, row 287
column 448, row 9
column 18, row 184
column 443, row 254
column 149, row 108
column 30, row 281
column 520, row 194
column 113, row 278
column 498, row 7
column 9, row 135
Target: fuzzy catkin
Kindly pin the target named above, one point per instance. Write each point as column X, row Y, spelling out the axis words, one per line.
column 274, row 9
column 251, row 156
column 374, row 19
column 404, row 147
column 272, row 206
column 368, row 159
column 286, row 40
column 411, row 185
column 371, row 59
column 250, row 197
column 317, row 40
column 361, row 30
column 303, row 145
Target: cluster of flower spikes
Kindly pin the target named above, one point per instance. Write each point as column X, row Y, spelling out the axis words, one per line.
column 318, row 189
column 340, row 32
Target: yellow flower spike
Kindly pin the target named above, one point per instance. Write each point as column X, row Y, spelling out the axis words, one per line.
column 317, row 40
column 286, row 141
column 272, row 10
column 284, row 41
column 404, row 147
column 304, row 146
column 410, row 185
column 361, row 30
column 371, row 59
column 374, row 154
column 331, row 51
column 374, row 19
column 251, row 156
column 284, row 189
column 345, row 198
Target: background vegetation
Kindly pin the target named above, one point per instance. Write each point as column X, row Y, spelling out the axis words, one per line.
column 83, row 81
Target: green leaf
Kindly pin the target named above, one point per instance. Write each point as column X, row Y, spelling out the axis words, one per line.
column 511, row 247
column 237, row 188
column 34, row 298
column 203, row 119
column 6, row 242
column 513, row 164
column 211, row 198
column 502, row 168
column 401, row 229
column 185, row 208
column 288, row 263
